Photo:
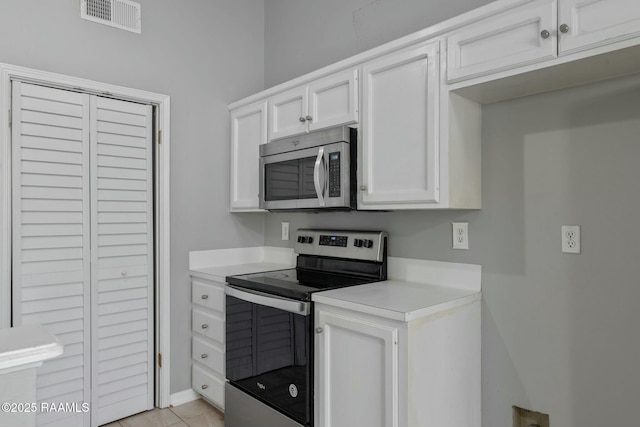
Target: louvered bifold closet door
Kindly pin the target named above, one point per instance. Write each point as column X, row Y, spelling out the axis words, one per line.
column 51, row 237
column 122, row 258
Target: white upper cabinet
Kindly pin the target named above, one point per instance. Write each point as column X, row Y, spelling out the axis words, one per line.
column 586, row 23
column 398, row 156
column 333, row 101
column 517, row 36
column 327, row 102
column 248, row 132
column 287, row 113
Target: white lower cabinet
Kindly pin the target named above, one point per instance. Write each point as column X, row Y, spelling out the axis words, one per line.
column 208, row 342
column 376, row 372
column 357, row 365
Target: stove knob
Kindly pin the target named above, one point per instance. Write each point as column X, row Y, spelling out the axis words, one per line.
column 300, row 239
column 368, row 243
column 357, row 243
column 309, row 239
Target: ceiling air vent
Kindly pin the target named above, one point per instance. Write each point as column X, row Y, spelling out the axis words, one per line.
column 123, row 14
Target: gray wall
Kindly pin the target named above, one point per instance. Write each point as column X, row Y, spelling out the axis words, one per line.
column 559, row 331
column 202, row 53
column 304, row 35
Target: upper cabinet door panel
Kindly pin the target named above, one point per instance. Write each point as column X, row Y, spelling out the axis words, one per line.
column 333, row 101
column 586, row 23
column 287, row 113
column 248, row 132
column 518, row 36
column 399, row 147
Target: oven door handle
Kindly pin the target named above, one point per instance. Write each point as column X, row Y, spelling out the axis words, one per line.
column 316, row 177
column 261, row 298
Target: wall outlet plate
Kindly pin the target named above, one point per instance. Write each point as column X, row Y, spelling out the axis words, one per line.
column 460, row 235
column 285, row 231
column 570, row 239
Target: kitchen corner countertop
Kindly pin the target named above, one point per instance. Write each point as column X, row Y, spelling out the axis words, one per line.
column 219, row 274
column 398, row 300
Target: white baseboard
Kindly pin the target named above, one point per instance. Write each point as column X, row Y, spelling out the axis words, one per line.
column 184, row 396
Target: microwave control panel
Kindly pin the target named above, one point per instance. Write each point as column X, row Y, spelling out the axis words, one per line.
column 334, row 174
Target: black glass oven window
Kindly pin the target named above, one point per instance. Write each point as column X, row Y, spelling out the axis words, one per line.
column 290, row 180
column 267, row 353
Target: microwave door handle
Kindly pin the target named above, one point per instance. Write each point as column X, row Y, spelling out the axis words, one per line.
column 292, row 306
column 316, row 177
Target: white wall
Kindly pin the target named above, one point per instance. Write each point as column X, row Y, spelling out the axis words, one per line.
column 304, row 35
column 204, row 54
column 559, row 331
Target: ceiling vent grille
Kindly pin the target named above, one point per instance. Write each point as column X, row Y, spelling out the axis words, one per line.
column 123, row 14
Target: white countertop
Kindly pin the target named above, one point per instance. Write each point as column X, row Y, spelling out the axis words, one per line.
column 218, row 274
column 415, row 289
column 26, row 346
column 398, row 300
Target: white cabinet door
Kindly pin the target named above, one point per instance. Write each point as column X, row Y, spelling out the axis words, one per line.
column 586, row 23
column 287, row 113
column 330, row 101
column 333, row 101
column 122, row 264
column 398, row 156
column 518, row 36
column 357, row 372
column 248, row 132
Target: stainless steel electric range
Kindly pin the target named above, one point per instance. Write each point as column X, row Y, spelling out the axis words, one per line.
column 269, row 325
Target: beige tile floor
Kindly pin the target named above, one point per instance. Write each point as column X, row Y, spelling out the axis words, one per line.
column 193, row 414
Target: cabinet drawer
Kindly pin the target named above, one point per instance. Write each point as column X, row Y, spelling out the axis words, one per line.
column 502, row 41
column 208, row 325
column 208, row 294
column 207, row 384
column 208, row 354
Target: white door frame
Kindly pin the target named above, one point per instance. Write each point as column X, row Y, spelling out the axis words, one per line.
column 163, row 277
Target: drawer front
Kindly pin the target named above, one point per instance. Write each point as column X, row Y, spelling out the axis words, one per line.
column 208, row 354
column 208, row 325
column 208, row 294
column 207, row 384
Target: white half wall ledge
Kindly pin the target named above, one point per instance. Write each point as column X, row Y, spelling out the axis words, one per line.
column 25, row 347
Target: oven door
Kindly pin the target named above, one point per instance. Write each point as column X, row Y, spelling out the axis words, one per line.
column 268, row 350
column 311, row 178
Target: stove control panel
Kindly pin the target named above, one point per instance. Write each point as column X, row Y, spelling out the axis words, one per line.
column 364, row 245
column 327, row 240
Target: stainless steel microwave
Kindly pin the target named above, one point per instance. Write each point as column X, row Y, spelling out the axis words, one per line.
column 314, row 171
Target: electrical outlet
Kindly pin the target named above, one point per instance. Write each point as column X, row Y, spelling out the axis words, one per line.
column 460, row 236
column 571, row 239
column 285, row 231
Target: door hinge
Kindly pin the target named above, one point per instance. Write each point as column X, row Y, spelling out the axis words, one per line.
column 159, row 137
column 160, row 360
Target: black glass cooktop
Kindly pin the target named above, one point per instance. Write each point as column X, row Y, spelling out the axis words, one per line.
column 296, row 283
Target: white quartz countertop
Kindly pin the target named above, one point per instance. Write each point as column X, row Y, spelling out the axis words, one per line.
column 219, row 273
column 416, row 288
column 398, row 300
column 27, row 345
